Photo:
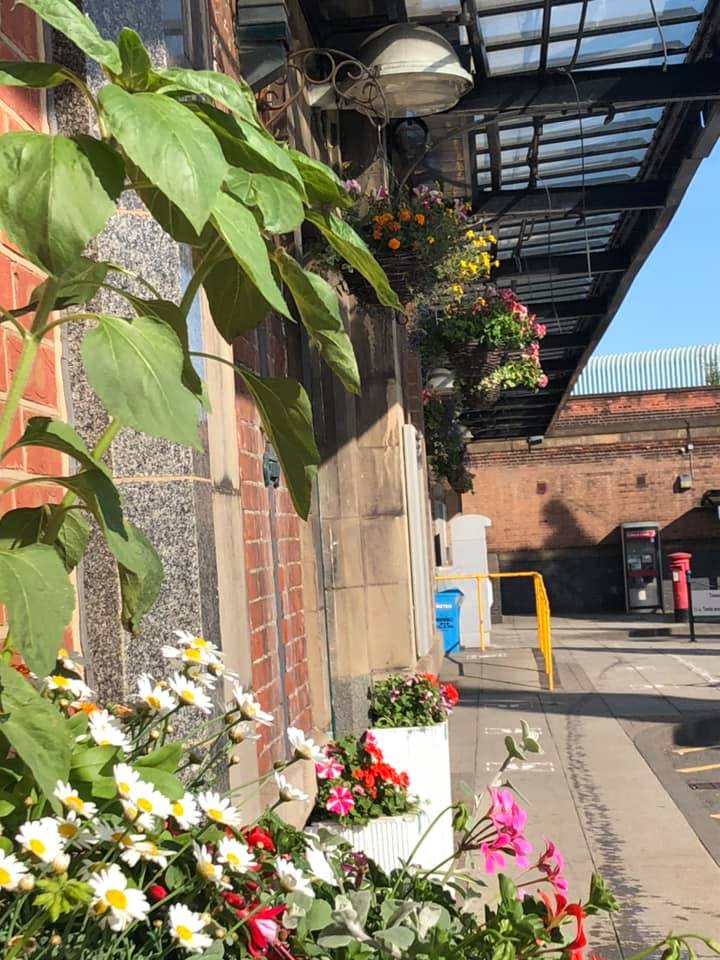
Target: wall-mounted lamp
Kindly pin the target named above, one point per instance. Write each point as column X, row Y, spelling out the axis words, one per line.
column 535, row 440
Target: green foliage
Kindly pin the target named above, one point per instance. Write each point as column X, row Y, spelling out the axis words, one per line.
column 417, row 701
column 64, row 16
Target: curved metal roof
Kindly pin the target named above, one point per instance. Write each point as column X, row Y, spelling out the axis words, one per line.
column 670, row 369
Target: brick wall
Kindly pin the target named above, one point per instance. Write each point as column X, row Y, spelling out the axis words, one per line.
column 20, row 39
column 558, row 506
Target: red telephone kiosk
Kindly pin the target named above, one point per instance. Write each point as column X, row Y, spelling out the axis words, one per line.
column 642, row 566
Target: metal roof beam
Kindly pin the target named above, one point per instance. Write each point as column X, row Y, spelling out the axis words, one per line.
column 599, row 90
column 570, row 309
column 574, row 264
column 598, row 198
column 564, row 341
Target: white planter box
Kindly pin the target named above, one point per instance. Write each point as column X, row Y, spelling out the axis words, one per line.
column 387, row 840
column 424, row 753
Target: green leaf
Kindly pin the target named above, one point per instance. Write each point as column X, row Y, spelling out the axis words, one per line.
column 215, row 951
column 504, row 950
column 353, row 249
column 170, row 218
column 235, row 302
column 250, row 149
column 39, row 599
column 136, row 367
column 173, row 316
column 164, row 758
column 400, row 937
column 323, row 186
column 177, row 152
column 16, row 73
column 35, row 729
column 64, row 16
column 167, row 783
column 6, row 808
column 279, row 205
column 317, row 304
column 79, row 284
column 88, row 763
column 287, row 419
column 508, row 890
column 21, row 527
column 72, row 539
column 57, row 435
column 41, row 179
column 335, row 937
column 136, row 65
column 236, row 95
column 107, row 163
column 239, row 229
column 512, row 750
column 318, row 916
column 139, row 588
column 600, row 899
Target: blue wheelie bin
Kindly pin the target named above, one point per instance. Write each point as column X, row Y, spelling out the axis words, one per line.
column 447, row 616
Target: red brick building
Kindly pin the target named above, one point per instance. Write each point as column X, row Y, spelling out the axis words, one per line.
column 557, row 506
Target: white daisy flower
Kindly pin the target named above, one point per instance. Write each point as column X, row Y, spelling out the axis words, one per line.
column 41, row 838
column 305, row 747
column 11, row 871
column 125, row 779
column 292, row 879
column 286, row 790
column 219, row 809
column 187, row 639
column 249, row 708
column 72, row 830
column 68, row 661
column 155, row 695
column 118, row 835
column 185, row 812
column 242, row 731
column 190, row 693
column 186, row 927
column 70, row 798
column 69, row 685
column 106, row 731
column 236, row 855
column 149, row 801
column 206, row 867
column 145, row 850
column 118, row 904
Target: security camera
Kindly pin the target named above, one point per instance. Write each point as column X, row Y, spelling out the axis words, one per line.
column 535, row 441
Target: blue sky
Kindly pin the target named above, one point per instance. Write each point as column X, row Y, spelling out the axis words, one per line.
column 673, row 301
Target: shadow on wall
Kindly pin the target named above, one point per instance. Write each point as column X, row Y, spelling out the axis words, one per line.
column 564, row 529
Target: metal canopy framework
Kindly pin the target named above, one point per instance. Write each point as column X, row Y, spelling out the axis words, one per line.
column 586, row 124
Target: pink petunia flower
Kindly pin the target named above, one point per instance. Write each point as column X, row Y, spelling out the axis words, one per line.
column 328, row 769
column 542, row 380
column 494, row 860
column 340, row 801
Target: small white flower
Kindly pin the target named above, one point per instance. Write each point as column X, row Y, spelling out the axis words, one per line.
column 318, row 862
column 61, row 863
column 118, row 835
column 249, row 708
column 68, row 661
column 145, row 850
column 219, row 809
column 186, row 927
column 185, row 812
column 243, row 731
column 286, row 790
column 115, row 902
column 125, row 779
column 41, row 838
column 190, row 693
column 304, row 747
column 206, row 867
column 73, row 801
column 187, row 639
column 184, row 655
column 149, row 801
column 106, row 731
column 155, row 695
column 292, row 879
column 76, row 688
column 11, row 871
column 236, row 855
column 72, row 830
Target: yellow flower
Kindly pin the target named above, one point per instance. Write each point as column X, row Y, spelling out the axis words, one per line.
column 431, row 240
column 469, row 234
column 496, row 263
column 457, row 290
column 479, row 242
column 491, row 238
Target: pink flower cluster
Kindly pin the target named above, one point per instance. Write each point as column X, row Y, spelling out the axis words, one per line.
column 509, row 819
column 428, row 197
column 551, row 864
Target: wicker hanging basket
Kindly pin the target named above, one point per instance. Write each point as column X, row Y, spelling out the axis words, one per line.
column 476, row 359
column 403, row 273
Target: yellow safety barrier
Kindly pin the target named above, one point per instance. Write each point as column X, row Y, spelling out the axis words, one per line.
column 542, row 611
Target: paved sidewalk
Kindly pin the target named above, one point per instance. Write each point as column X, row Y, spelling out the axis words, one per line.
column 609, row 787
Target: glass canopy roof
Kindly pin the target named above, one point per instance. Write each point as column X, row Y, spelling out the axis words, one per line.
column 584, row 129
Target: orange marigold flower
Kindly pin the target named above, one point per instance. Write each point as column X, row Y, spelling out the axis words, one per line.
column 404, row 214
column 394, row 243
column 420, row 219
column 376, row 234
column 88, row 708
column 394, row 227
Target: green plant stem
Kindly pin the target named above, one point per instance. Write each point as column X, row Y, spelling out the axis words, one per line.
column 30, row 931
column 6, row 315
column 58, row 514
column 205, row 265
column 68, row 318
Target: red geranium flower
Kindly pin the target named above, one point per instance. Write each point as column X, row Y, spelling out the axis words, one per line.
column 263, row 929
column 259, row 838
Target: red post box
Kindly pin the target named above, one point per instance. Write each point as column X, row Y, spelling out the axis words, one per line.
column 679, row 570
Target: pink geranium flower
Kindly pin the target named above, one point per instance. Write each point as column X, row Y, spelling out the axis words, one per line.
column 328, row 769
column 552, row 864
column 340, row 801
column 494, row 860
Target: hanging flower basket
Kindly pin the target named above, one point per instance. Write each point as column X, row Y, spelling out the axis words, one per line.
column 477, row 359
column 403, row 272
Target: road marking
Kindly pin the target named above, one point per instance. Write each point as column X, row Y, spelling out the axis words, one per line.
column 508, row 730
column 701, row 769
column 484, row 656
column 648, row 686
column 681, row 751
column 539, row 766
column 698, row 671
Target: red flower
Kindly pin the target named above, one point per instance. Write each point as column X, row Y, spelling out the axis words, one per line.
column 233, row 899
column 157, row 892
column 430, row 677
column 259, row 838
column 449, row 694
column 263, row 929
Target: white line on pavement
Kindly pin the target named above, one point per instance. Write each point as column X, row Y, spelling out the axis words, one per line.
column 534, row 766
column 698, row 671
column 498, row 731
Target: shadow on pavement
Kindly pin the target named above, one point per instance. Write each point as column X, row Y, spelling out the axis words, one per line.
column 700, row 732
